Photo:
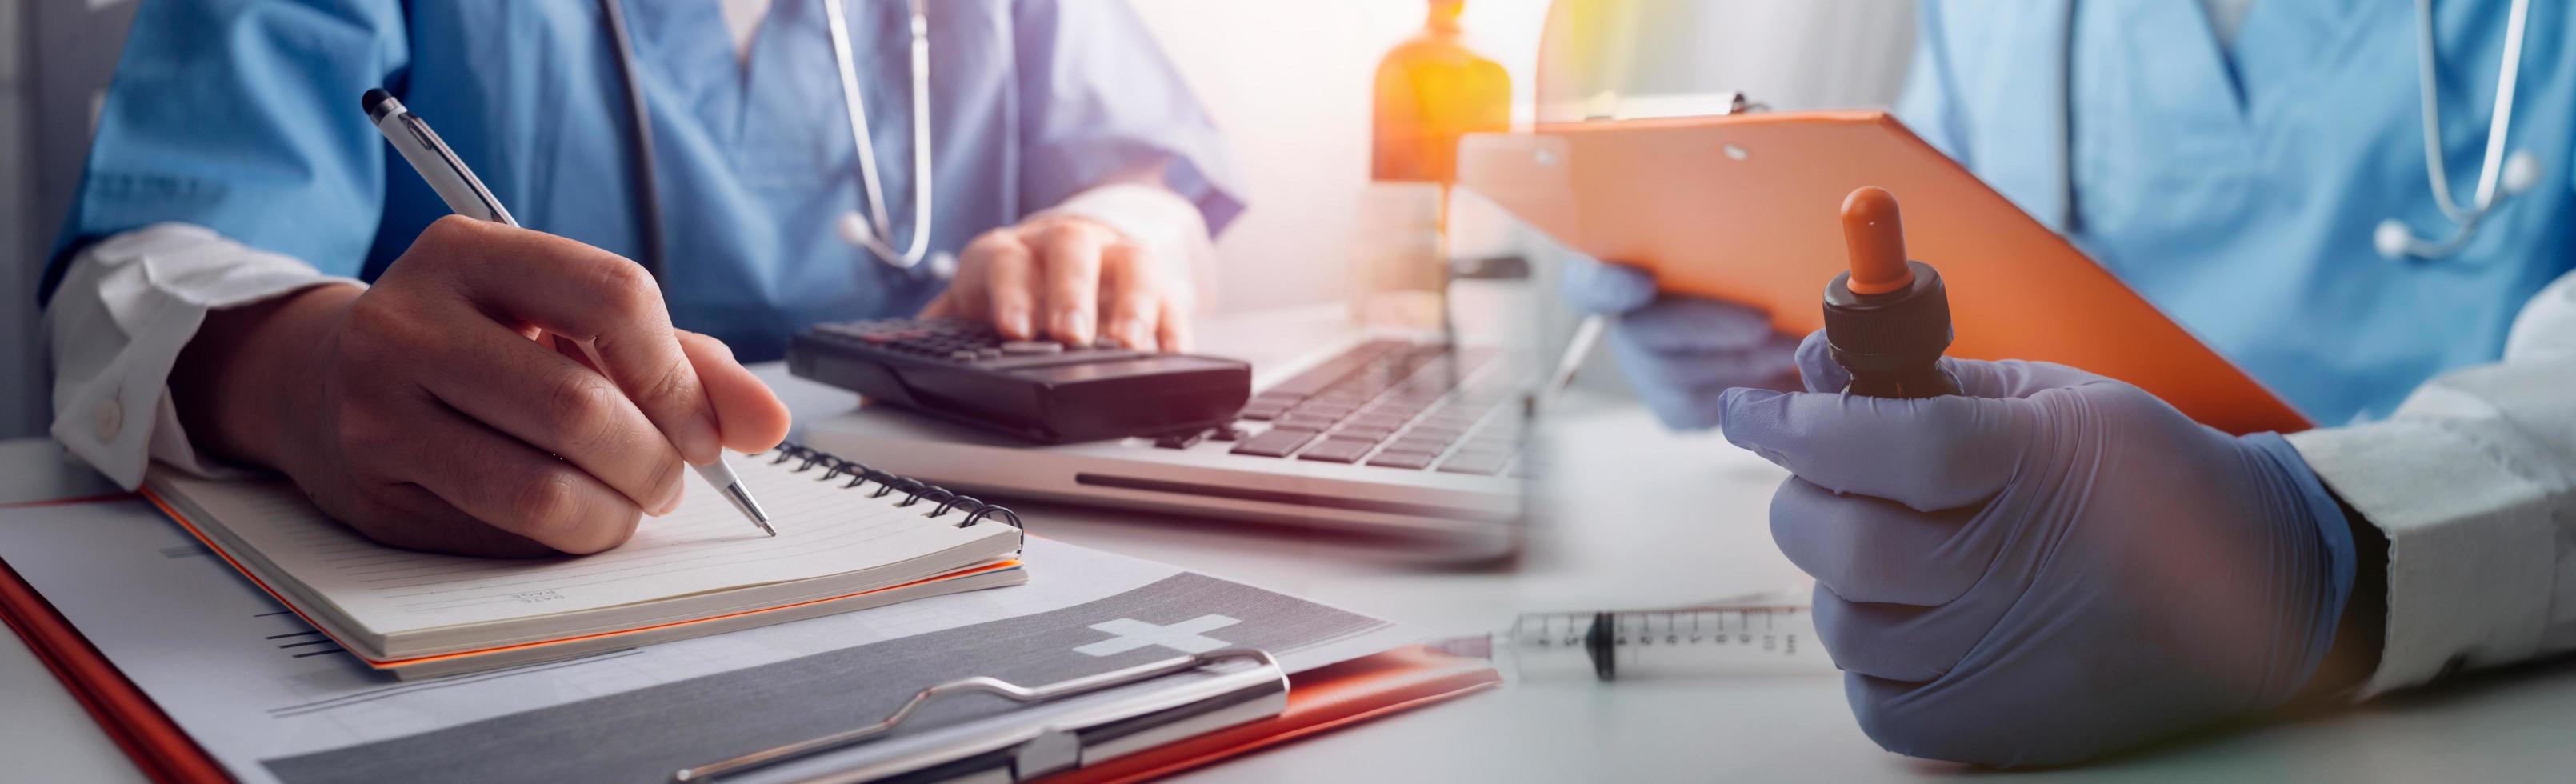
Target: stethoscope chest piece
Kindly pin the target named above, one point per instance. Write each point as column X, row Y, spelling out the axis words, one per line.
column 854, row 229
column 2394, row 239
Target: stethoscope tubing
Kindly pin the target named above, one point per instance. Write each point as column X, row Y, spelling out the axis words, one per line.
column 2500, row 176
column 869, row 235
column 639, row 123
column 855, row 109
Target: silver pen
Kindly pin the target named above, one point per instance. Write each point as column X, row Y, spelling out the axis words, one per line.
column 465, row 194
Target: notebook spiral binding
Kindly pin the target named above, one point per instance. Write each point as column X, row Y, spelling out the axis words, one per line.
column 915, row 491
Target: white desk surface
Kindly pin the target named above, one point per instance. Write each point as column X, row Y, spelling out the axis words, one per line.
column 1664, row 518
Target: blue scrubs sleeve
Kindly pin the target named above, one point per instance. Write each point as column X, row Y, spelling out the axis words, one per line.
column 1928, row 106
column 243, row 116
column 1098, row 98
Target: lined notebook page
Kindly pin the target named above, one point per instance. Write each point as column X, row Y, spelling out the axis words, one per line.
column 704, row 545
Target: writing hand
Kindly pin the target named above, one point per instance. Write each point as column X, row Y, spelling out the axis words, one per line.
column 437, row 410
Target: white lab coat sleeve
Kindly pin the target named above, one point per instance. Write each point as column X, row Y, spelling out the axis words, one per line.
column 126, row 308
column 2473, row 480
column 1169, row 229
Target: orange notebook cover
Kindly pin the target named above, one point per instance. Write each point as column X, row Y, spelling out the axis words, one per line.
column 1746, row 208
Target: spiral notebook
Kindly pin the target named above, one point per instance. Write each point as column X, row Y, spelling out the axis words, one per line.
column 849, row 538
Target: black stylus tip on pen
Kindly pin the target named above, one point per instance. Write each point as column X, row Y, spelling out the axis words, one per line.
column 375, row 97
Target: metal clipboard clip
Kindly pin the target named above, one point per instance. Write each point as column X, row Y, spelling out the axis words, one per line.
column 1226, row 697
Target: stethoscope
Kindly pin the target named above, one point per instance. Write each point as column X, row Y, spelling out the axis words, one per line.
column 2502, row 176
column 869, row 231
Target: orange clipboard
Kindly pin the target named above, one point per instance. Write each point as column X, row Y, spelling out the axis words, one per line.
column 1746, row 208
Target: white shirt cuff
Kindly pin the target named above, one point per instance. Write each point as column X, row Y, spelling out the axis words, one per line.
column 126, row 308
column 2473, row 480
column 2472, row 553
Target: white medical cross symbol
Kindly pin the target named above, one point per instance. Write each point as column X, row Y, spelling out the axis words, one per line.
column 1132, row 634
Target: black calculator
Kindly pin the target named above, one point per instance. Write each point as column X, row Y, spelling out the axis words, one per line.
column 1040, row 390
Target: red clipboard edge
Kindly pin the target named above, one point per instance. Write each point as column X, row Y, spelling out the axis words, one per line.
column 155, row 743
column 1319, row 701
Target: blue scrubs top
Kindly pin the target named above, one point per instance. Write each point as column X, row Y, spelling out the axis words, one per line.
column 243, row 116
column 2238, row 187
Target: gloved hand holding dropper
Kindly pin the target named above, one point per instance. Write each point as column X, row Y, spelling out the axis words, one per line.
column 2048, row 565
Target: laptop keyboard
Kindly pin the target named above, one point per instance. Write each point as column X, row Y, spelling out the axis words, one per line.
column 1392, row 404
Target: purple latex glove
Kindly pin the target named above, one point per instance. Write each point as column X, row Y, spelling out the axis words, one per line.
column 2053, row 566
column 1680, row 353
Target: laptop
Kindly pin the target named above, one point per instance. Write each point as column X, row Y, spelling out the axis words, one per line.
column 1403, row 439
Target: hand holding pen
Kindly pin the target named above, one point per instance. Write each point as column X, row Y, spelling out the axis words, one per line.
column 437, row 409
column 660, row 382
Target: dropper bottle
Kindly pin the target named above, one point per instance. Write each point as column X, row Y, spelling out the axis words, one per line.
column 1888, row 319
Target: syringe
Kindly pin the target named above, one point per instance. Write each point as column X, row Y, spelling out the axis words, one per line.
column 1761, row 635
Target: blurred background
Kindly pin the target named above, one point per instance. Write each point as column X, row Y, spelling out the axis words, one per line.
column 1289, row 80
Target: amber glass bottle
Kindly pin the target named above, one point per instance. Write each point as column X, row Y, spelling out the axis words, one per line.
column 1430, row 90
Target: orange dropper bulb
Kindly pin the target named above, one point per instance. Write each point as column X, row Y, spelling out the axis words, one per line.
column 1888, row 319
column 1875, row 237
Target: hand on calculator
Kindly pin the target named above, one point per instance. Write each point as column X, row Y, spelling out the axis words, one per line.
column 1071, row 280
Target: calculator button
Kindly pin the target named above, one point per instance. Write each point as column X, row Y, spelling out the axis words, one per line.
column 1026, row 361
column 1032, row 347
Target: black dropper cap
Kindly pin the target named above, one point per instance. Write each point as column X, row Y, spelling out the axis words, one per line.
column 1888, row 320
